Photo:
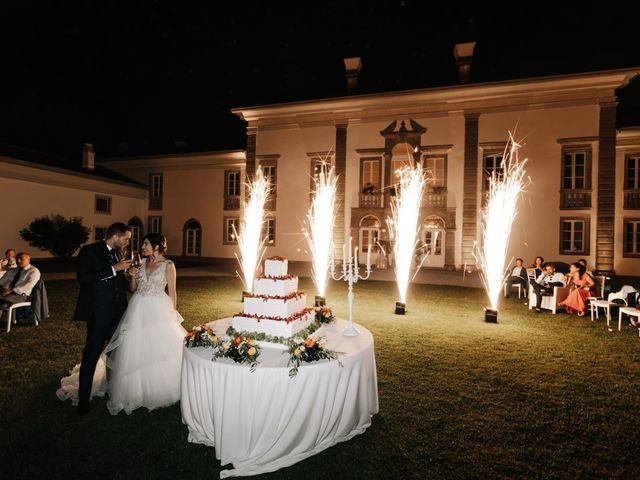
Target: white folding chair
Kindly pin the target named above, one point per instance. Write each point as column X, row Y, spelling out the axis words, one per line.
column 549, row 302
column 11, row 313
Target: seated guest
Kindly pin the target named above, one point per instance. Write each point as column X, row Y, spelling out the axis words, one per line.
column 545, row 283
column 582, row 284
column 583, row 261
column 518, row 276
column 17, row 284
column 8, row 262
column 538, row 264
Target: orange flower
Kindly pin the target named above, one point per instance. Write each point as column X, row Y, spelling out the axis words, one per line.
column 237, row 340
column 308, row 343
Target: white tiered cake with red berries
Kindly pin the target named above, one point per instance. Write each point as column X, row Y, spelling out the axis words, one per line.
column 276, row 306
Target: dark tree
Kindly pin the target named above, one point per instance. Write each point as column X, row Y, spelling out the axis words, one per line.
column 56, row 234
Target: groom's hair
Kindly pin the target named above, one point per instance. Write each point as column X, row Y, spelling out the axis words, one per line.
column 118, row 229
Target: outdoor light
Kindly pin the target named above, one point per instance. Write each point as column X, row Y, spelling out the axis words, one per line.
column 320, row 301
column 401, row 308
column 490, row 315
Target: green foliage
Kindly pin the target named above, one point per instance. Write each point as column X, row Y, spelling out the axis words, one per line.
column 56, row 234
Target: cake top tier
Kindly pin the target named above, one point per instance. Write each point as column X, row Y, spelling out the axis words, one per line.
column 276, row 267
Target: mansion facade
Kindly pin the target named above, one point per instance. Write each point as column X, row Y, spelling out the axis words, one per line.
column 583, row 199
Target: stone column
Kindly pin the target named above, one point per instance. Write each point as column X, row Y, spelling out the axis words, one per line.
column 605, row 218
column 250, row 165
column 470, row 189
column 339, row 228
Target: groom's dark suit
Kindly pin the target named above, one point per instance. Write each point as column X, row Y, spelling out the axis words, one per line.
column 101, row 303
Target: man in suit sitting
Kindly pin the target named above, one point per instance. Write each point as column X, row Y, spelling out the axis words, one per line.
column 545, row 283
column 102, row 300
column 18, row 283
column 518, row 276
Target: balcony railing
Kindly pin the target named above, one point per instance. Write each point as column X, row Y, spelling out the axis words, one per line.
column 232, row 202
column 632, row 199
column 575, row 199
column 434, row 199
column 371, row 200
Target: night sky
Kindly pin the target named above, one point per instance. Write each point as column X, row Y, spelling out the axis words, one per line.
column 143, row 77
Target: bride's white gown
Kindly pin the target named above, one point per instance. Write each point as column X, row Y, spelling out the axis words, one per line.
column 144, row 356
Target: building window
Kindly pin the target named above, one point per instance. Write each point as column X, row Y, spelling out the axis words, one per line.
column 575, row 171
column 192, row 238
column 370, row 177
column 269, row 232
column 99, row 233
column 270, row 172
column 156, row 190
column 103, row 204
column 492, row 168
column 136, row 234
column 436, row 171
column 632, row 237
column 232, row 190
column 631, row 173
column 231, row 229
column 155, row 224
column 574, row 236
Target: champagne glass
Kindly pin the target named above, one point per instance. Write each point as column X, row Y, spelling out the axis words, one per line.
column 137, row 261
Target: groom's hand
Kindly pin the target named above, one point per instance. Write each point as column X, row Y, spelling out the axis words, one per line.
column 122, row 265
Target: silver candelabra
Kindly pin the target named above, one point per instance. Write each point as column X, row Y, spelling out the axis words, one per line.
column 351, row 275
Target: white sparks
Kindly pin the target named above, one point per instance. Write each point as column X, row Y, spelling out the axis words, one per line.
column 321, row 219
column 497, row 218
column 250, row 239
column 403, row 224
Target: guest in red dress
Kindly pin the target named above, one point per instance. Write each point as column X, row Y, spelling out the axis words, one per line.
column 582, row 285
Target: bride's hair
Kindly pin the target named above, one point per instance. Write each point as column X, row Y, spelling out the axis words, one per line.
column 156, row 240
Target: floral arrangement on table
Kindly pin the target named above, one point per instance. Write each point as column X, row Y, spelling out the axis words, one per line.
column 241, row 349
column 309, row 349
column 201, row 336
column 324, row 314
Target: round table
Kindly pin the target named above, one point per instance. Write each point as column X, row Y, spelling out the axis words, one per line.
column 263, row 420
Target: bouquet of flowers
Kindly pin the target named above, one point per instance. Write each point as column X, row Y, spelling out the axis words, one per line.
column 201, row 336
column 310, row 349
column 324, row 314
column 240, row 349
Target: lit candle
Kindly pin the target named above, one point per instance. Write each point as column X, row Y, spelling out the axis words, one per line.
column 350, row 252
column 344, row 254
column 369, row 256
column 356, row 256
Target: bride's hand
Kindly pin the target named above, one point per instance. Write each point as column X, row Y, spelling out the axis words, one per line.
column 133, row 272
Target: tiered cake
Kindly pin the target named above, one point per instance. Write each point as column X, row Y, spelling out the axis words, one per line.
column 276, row 306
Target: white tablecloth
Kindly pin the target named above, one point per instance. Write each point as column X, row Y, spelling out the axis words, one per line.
column 263, row 420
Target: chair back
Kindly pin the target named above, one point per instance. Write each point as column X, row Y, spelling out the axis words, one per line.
column 531, row 274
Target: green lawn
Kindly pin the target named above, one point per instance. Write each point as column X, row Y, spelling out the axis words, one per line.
column 536, row 396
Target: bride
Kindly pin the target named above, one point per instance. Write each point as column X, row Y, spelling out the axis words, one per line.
column 144, row 356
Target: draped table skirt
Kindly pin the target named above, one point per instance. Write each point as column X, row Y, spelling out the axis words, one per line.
column 263, row 420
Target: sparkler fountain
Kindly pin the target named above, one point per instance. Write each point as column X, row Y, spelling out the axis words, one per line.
column 250, row 241
column 403, row 227
column 497, row 218
column 320, row 234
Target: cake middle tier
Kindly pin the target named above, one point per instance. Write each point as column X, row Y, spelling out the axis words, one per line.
column 275, row 306
column 275, row 286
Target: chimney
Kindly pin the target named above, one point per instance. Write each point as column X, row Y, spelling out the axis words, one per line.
column 352, row 66
column 464, row 54
column 88, row 157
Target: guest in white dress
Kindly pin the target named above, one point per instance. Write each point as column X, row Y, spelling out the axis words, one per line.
column 144, row 356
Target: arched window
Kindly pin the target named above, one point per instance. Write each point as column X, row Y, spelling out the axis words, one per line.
column 433, row 232
column 369, row 233
column 137, row 233
column 192, row 238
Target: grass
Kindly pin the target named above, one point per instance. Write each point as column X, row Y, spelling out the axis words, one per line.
column 536, row 396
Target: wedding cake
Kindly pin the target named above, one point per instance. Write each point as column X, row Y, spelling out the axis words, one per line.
column 276, row 306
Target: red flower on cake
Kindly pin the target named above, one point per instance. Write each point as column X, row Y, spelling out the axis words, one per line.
column 275, row 257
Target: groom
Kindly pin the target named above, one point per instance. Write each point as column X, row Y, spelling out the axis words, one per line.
column 102, row 300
